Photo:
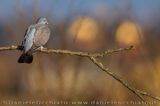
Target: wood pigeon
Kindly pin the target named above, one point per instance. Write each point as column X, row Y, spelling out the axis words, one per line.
column 36, row 36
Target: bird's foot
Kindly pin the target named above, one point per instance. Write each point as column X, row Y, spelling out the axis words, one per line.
column 41, row 48
column 20, row 47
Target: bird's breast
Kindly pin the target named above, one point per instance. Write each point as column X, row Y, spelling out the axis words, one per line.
column 42, row 35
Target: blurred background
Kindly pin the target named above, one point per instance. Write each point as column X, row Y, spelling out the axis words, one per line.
column 81, row 25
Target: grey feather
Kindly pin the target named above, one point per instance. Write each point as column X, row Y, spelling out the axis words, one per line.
column 36, row 35
column 42, row 35
column 28, row 39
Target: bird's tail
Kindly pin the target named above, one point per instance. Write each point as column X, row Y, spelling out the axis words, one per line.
column 25, row 58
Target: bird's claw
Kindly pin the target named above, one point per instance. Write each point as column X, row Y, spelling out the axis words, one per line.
column 41, row 48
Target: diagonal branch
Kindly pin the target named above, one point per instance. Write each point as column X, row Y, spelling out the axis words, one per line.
column 138, row 92
column 123, row 82
column 93, row 58
column 148, row 95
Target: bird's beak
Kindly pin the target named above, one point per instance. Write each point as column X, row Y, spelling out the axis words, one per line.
column 46, row 23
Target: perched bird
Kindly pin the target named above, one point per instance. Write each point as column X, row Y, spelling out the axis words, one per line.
column 35, row 37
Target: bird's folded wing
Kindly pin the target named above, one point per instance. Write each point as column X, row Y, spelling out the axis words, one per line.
column 28, row 39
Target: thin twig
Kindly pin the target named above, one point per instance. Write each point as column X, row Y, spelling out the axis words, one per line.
column 93, row 58
column 85, row 54
column 58, row 51
column 123, row 82
column 12, row 47
column 148, row 95
column 108, row 52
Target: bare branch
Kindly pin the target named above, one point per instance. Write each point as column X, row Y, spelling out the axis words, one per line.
column 124, row 83
column 139, row 93
column 93, row 58
column 57, row 51
column 148, row 95
column 12, row 47
column 108, row 52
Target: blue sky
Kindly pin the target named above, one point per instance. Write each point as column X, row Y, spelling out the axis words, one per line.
column 144, row 9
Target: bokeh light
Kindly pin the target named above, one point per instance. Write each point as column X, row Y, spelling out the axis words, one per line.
column 128, row 33
column 85, row 31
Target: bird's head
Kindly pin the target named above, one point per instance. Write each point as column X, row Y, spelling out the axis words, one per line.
column 42, row 21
